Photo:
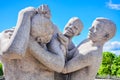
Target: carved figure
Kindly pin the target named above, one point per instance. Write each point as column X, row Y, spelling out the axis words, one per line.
column 85, row 64
column 26, row 56
column 72, row 28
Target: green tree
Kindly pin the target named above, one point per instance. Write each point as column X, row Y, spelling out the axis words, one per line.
column 107, row 62
column 116, row 67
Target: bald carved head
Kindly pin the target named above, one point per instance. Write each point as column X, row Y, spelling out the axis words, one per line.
column 102, row 29
column 73, row 27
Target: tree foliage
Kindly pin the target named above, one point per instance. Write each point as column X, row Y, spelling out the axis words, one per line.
column 110, row 65
column 116, row 66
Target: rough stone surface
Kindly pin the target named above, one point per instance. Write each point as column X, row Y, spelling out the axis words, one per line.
column 72, row 28
column 85, row 64
column 36, row 50
column 26, row 56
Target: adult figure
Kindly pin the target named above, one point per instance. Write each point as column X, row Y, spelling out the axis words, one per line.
column 72, row 28
column 27, row 57
column 85, row 64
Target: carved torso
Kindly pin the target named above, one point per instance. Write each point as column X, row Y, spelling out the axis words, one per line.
column 27, row 68
column 88, row 72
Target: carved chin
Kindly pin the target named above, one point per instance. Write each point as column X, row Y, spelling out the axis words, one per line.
column 68, row 34
column 90, row 37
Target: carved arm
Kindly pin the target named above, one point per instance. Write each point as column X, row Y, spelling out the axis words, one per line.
column 19, row 40
column 54, row 61
column 77, row 62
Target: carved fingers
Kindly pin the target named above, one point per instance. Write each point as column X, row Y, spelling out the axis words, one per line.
column 44, row 10
column 29, row 11
column 63, row 39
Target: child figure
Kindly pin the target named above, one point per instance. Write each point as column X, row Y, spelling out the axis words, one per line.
column 72, row 28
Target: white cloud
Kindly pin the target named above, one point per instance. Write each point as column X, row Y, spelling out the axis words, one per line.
column 112, row 47
column 113, row 6
column 117, row 52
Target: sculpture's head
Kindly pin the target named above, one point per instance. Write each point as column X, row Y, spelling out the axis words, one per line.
column 42, row 29
column 73, row 27
column 5, row 37
column 44, row 10
column 7, row 33
column 102, row 30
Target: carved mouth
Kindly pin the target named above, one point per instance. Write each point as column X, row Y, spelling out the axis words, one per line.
column 90, row 34
column 70, row 31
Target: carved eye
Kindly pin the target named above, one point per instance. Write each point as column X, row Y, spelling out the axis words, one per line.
column 66, row 28
column 70, row 24
column 10, row 34
column 97, row 28
column 75, row 27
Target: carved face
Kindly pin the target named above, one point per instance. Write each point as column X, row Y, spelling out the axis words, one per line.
column 8, row 33
column 5, row 38
column 97, row 32
column 73, row 28
column 42, row 29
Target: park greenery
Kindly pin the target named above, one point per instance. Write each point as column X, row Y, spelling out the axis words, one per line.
column 110, row 66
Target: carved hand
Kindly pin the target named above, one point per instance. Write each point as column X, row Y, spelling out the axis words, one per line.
column 44, row 10
column 63, row 39
column 29, row 12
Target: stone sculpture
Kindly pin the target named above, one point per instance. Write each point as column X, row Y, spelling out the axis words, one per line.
column 36, row 50
column 27, row 56
column 72, row 28
column 5, row 38
column 85, row 64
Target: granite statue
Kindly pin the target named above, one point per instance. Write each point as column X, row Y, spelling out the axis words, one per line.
column 26, row 56
column 36, row 50
column 85, row 64
column 72, row 28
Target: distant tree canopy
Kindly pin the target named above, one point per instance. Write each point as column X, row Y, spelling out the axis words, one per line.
column 110, row 65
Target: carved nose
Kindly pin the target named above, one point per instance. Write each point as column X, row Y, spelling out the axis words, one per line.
column 91, row 29
column 10, row 34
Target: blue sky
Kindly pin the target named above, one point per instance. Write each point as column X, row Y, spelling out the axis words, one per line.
column 63, row 10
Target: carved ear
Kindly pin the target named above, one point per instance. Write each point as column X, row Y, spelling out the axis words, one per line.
column 106, row 36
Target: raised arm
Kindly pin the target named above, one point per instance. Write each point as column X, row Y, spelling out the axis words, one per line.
column 54, row 61
column 19, row 40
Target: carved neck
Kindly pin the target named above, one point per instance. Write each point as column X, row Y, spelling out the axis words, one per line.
column 97, row 43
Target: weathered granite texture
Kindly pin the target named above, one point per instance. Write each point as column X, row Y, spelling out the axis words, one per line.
column 36, row 50
column 72, row 28
column 26, row 56
column 85, row 64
